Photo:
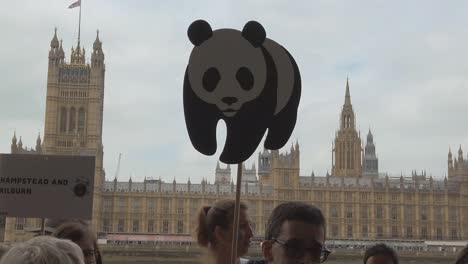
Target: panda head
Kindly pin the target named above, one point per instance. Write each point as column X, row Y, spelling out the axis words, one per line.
column 218, row 74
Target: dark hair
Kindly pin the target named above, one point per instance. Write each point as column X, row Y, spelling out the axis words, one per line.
column 292, row 211
column 220, row 214
column 76, row 231
column 383, row 250
column 462, row 257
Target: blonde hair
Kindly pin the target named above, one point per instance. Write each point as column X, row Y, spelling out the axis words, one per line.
column 44, row 250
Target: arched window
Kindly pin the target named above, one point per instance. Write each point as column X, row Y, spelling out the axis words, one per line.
column 286, row 180
column 72, row 125
column 342, row 155
column 348, row 156
column 81, row 120
column 63, row 119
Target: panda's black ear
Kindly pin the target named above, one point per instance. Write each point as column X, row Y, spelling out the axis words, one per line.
column 199, row 31
column 254, row 33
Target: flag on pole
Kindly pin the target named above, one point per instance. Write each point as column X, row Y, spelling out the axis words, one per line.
column 76, row 4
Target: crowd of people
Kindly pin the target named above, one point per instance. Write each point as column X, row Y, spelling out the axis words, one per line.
column 73, row 242
column 295, row 233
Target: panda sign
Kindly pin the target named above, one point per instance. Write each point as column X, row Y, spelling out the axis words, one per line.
column 244, row 78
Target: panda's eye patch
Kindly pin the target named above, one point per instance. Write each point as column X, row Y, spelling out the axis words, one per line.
column 210, row 79
column 245, row 78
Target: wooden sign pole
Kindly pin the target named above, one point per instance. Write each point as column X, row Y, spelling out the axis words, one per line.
column 235, row 231
column 43, row 227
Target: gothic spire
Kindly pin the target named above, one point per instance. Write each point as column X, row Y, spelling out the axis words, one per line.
column 39, row 143
column 14, row 137
column 347, row 96
column 97, row 45
column 38, row 140
column 460, row 153
column 370, row 137
column 54, row 43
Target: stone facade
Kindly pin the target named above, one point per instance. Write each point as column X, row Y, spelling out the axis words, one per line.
column 73, row 119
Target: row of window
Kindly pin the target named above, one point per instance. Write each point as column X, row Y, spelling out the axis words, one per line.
column 136, row 226
column 72, row 120
column 366, row 196
column 80, row 94
column 74, row 75
column 409, row 211
column 345, row 159
column 347, row 121
column 409, row 232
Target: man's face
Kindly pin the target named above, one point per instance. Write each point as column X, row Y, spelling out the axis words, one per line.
column 306, row 239
column 379, row 259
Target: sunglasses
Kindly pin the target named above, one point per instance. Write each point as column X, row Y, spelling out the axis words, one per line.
column 296, row 249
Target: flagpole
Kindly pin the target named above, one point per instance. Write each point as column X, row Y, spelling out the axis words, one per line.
column 79, row 25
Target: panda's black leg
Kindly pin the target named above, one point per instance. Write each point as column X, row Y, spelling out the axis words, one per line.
column 201, row 120
column 241, row 143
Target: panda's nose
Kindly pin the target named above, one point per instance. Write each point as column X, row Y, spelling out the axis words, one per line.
column 229, row 100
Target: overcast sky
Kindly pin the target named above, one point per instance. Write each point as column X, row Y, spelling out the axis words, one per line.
column 407, row 62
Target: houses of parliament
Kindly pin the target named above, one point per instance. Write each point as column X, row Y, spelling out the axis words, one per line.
column 359, row 202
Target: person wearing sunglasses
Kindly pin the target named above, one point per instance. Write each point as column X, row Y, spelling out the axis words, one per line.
column 295, row 233
column 380, row 254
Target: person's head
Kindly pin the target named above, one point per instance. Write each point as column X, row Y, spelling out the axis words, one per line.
column 215, row 224
column 462, row 257
column 44, row 250
column 81, row 234
column 295, row 233
column 380, row 254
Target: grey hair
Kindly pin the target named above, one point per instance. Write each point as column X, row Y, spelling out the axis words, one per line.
column 44, row 250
